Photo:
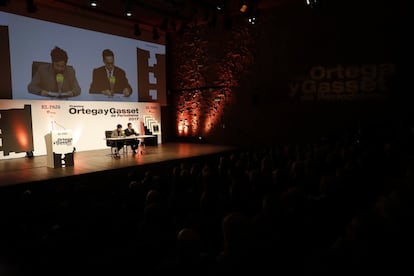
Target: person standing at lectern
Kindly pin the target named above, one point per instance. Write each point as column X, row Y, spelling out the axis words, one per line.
column 117, row 133
column 55, row 79
column 134, row 142
column 109, row 79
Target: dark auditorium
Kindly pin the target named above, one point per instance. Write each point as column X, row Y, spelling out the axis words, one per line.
column 270, row 137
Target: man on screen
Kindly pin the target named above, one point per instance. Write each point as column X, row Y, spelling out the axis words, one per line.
column 109, row 79
column 55, row 79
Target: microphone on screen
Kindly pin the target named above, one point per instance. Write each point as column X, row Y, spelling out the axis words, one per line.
column 112, row 81
column 59, row 80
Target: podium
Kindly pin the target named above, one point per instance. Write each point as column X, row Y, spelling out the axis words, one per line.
column 59, row 147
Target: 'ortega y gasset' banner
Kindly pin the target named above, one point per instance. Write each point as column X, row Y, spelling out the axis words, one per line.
column 344, row 83
column 86, row 120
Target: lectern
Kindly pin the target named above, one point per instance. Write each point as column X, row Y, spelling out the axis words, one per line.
column 59, row 147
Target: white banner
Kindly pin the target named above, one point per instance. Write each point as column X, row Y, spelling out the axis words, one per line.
column 62, row 141
column 87, row 120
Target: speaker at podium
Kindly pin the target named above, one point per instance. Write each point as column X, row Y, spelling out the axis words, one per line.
column 59, row 147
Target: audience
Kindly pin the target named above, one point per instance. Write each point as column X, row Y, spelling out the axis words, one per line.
column 330, row 207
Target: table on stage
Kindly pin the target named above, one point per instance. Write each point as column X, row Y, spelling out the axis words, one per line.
column 124, row 139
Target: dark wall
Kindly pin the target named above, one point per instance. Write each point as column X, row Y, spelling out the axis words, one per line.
column 313, row 72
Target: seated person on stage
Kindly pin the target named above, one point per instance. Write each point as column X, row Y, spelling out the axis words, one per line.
column 134, row 143
column 118, row 132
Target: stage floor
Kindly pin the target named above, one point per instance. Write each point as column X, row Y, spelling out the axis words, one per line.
column 27, row 170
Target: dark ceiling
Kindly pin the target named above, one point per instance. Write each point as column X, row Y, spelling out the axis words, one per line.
column 171, row 15
column 159, row 13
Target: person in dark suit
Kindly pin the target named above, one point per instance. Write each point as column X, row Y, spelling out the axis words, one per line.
column 55, row 79
column 135, row 142
column 118, row 133
column 109, row 79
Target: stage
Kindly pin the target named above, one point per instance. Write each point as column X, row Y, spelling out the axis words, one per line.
column 29, row 170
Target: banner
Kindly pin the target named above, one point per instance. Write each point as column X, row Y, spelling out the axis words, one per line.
column 86, row 120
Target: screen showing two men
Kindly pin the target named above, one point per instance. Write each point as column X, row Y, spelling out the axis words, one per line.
column 137, row 67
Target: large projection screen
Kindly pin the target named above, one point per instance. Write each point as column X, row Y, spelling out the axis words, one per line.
column 31, row 40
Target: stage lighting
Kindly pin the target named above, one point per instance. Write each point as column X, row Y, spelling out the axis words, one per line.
column 128, row 11
column 312, row 3
column 221, row 5
column 244, row 7
column 252, row 19
column 93, row 4
column 129, row 8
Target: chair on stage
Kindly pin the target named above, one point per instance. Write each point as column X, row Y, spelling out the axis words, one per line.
column 109, row 143
column 112, row 144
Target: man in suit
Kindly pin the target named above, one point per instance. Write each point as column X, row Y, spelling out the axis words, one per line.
column 135, row 142
column 55, row 79
column 109, row 79
column 118, row 133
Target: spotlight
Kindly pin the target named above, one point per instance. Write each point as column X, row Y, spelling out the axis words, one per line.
column 221, row 5
column 128, row 12
column 243, row 7
column 312, row 3
column 252, row 19
column 93, row 4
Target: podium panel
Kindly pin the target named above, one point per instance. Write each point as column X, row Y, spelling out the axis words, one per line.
column 59, row 148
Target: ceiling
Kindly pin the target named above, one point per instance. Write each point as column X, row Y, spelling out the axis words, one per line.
column 170, row 14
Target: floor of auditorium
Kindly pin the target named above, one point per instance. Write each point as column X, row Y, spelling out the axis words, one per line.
column 29, row 170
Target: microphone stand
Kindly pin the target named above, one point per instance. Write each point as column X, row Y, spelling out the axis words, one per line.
column 60, row 125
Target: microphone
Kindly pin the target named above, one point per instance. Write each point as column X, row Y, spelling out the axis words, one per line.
column 59, row 80
column 112, row 81
column 59, row 125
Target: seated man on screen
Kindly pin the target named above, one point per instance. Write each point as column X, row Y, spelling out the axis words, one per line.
column 117, row 133
column 109, row 79
column 134, row 143
column 56, row 79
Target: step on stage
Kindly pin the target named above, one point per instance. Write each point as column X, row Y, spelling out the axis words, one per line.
column 31, row 170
